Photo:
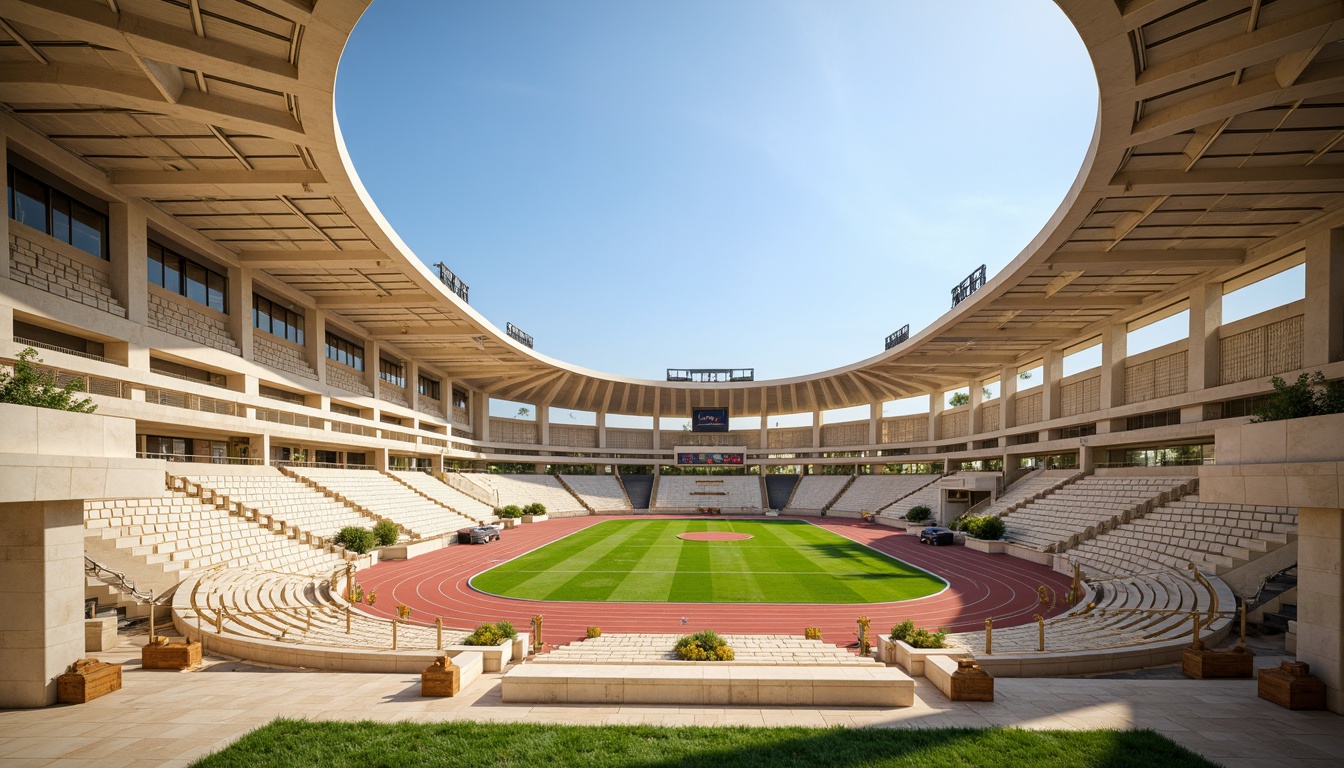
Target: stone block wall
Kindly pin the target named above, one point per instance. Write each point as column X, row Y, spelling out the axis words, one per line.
column 180, row 319
column 429, row 407
column 348, row 379
column 390, row 394
column 51, row 271
column 280, row 356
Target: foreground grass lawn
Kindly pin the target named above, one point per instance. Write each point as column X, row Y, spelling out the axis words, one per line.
column 472, row 745
column 785, row 561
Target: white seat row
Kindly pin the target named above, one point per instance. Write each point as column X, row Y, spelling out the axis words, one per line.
column 876, row 492
column 1085, row 508
column 286, row 500
column 447, row 495
column 386, row 497
column 691, row 491
column 530, row 489
column 816, row 491
column 601, row 492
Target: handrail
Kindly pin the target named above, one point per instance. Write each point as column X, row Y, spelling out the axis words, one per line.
column 95, row 568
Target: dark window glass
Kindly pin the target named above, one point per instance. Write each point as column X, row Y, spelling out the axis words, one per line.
column 60, row 219
column 344, row 351
column 155, row 265
column 459, row 399
column 216, row 292
column 195, row 282
column 392, row 373
column 28, row 201
column 276, row 320
column 172, row 276
column 88, row 229
column 429, row 387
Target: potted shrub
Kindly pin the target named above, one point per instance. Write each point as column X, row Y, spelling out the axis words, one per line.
column 984, row 533
column 706, row 645
column 534, row 513
column 911, row 644
column 496, row 643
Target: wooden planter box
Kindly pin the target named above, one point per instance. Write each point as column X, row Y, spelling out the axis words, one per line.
column 1203, row 664
column 87, row 680
column 535, row 518
column 171, row 656
column 442, row 678
column 1292, row 686
column 959, row 679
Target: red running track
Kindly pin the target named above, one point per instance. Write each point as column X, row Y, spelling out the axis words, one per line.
column 980, row 586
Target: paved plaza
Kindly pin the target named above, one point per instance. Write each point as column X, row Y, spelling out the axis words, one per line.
column 162, row 718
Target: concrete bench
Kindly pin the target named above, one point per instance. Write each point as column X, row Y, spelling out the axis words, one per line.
column 708, row 684
column 959, row 679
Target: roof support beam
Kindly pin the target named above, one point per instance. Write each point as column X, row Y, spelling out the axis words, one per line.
column 1219, row 181
column 153, row 39
column 1122, row 260
column 232, row 183
column 41, row 84
column 326, row 258
column 346, row 301
column 1090, row 301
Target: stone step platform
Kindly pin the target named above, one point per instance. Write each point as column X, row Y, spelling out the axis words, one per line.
column 709, row 684
column 657, row 650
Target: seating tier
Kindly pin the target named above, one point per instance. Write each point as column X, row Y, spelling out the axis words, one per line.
column 691, row 491
column 816, row 491
column 601, row 492
column 388, row 498
column 875, row 492
column 529, row 489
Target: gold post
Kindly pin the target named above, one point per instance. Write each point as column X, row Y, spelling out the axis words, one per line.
column 536, row 633
column 989, row 637
column 1194, row 629
column 438, row 630
column 1040, row 632
column 1077, row 582
column 347, row 619
column 394, row 634
column 1243, row 625
column 151, row 617
column 308, row 619
column 219, row 621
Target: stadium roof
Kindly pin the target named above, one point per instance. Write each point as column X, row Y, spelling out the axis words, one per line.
column 1217, row 148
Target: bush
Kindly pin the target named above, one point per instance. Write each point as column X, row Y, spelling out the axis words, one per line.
column 918, row 514
column 511, row 511
column 812, row 633
column 536, row 508
column 386, row 533
column 356, row 539
column 902, row 631
column 491, row 634
column 28, row 385
column 594, row 632
column 908, row 633
column 704, row 646
column 986, row 527
column 1311, row 395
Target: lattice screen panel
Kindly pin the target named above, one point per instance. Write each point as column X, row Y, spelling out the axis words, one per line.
column 797, row 437
column 906, row 430
column 956, row 424
column 1080, row 397
column 629, row 438
column 989, row 417
column 1261, row 352
column 855, row 433
column 1156, row 378
column 513, row 431
column 571, row 436
column 1028, row 409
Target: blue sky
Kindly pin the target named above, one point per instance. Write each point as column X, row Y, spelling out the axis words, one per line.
column 766, row 184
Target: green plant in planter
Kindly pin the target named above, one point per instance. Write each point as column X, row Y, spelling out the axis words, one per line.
column 902, row 631
column 536, row 509
column 491, row 634
column 911, row 635
column 594, row 632
column 706, row 645
column 386, row 533
column 511, row 511
column 28, row 385
column 356, row 539
column 1310, row 395
column 918, row 514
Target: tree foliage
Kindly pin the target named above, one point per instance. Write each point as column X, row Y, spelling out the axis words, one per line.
column 1310, row 395
column 30, row 385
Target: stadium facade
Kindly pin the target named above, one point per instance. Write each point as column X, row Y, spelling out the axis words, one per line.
column 187, row 235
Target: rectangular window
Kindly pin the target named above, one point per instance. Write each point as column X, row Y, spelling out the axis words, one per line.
column 430, row 388
column 344, row 351
column 49, row 210
column 391, row 372
column 277, row 320
column 185, row 276
column 460, row 398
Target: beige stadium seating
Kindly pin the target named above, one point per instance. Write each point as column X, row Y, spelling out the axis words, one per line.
column 529, row 489
column 1086, row 508
column 692, row 491
column 1216, row 537
column 387, row 497
column 600, row 492
column 1036, row 483
column 179, row 533
column 447, row 495
column 285, row 499
column 814, row 492
column 875, row 492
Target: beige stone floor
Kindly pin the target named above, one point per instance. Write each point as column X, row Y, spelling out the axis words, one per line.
column 162, row 718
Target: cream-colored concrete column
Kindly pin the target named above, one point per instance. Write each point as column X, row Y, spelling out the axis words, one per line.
column 874, row 423
column 1323, row 323
column 937, row 403
column 1320, row 598
column 765, row 426
column 977, row 399
column 1206, row 316
column 543, row 424
column 601, row 429
column 259, row 447
column 41, row 598
column 816, row 429
column 127, row 250
column 240, row 309
column 1114, row 342
column 372, row 359
column 381, row 459
column 315, row 336
column 1052, row 370
column 657, row 425
column 412, row 383
column 1008, row 398
column 480, row 416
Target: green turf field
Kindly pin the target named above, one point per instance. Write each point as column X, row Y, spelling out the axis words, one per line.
column 786, row 561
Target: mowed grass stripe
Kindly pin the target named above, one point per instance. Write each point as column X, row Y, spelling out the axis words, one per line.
column 786, row 561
